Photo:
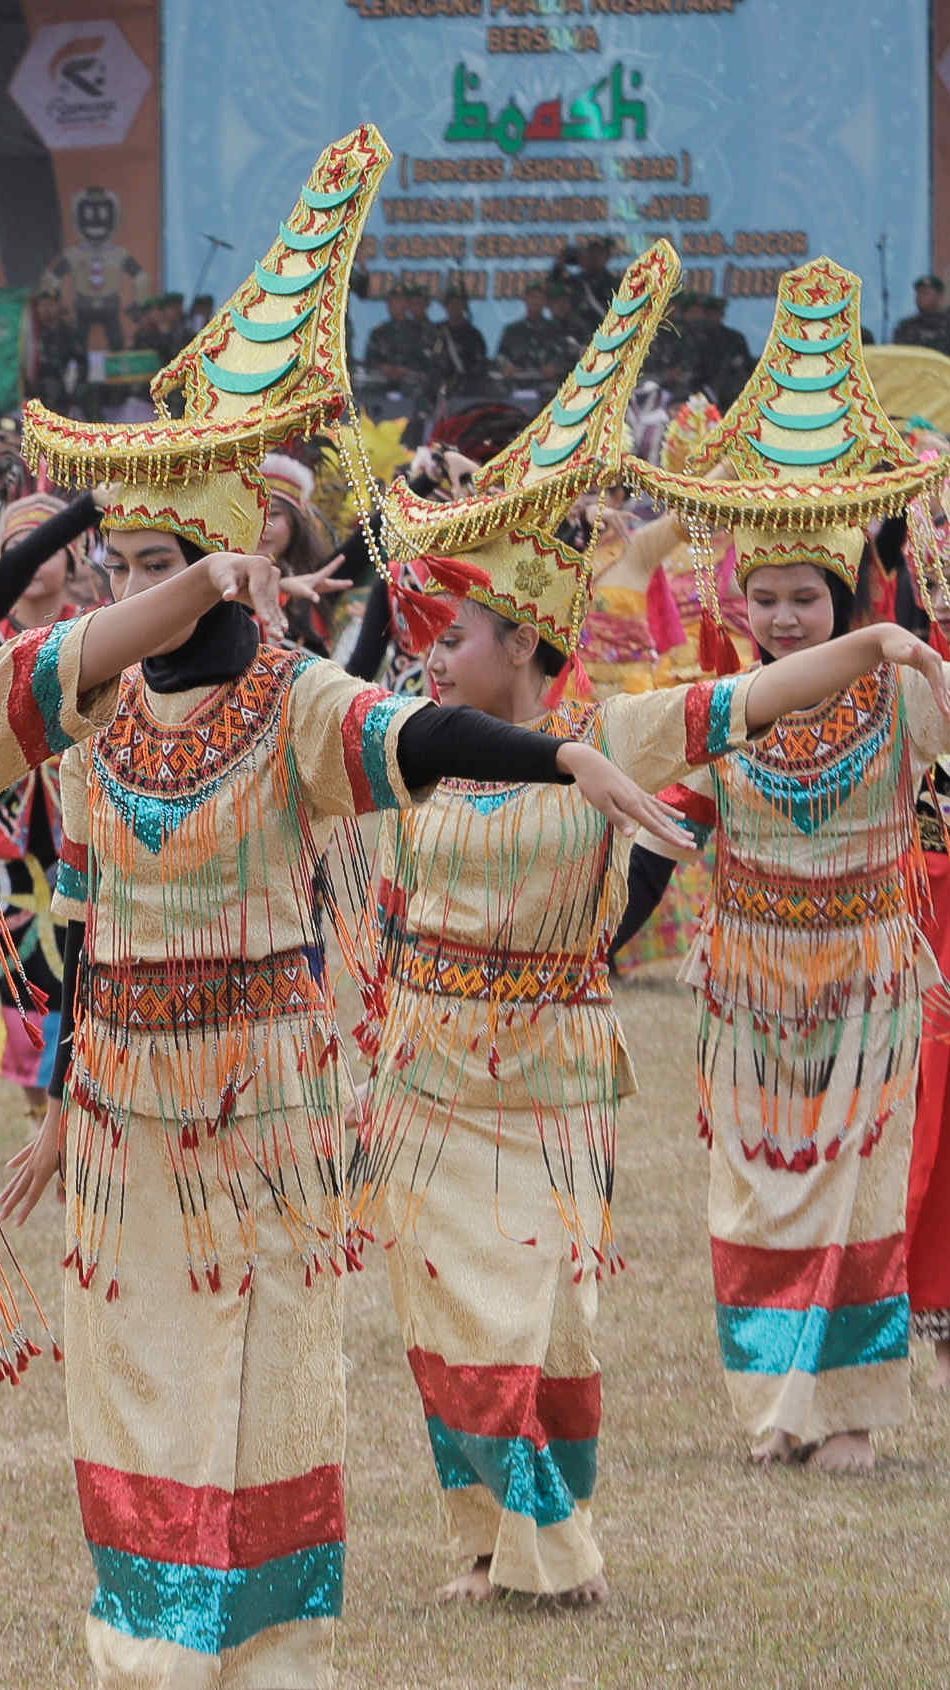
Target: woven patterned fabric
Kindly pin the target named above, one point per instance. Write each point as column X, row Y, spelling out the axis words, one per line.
column 146, row 999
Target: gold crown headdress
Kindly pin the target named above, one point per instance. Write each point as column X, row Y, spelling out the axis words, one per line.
column 814, row 455
column 270, row 364
column 523, row 494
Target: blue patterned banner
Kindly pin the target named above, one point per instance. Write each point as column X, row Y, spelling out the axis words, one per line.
column 754, row 133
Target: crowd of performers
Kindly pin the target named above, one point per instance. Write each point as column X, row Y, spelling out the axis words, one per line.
column 570, row 717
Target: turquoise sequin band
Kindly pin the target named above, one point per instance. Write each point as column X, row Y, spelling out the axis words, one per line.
column 813, row 1340
column 47, row 687
column 210, row 1609
column 545, row 1484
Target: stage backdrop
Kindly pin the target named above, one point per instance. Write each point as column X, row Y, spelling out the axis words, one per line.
column 754, row 133
column 80, row 205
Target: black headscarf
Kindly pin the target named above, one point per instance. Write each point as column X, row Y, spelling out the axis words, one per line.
column 223, row 644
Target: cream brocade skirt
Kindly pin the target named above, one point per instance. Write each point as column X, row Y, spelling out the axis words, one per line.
column 499, row 1334
column 810, row 1152
column 207, row 1430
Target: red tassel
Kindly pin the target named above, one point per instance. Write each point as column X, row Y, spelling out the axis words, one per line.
column 663, row 617
column 33, row 1034
column 454, row 574
column 245, row 1284
column 39, row 997
column 717, row 654
column 425, row 616
column 938, row 640
column 573, row 671
column 112, row 1295
column 57, row 1352
column 194, row 1279
column 431, row 1269
column 707, row 642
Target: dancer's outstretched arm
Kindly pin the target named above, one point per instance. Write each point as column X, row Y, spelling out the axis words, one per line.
column 803, row 680
column 122, row 634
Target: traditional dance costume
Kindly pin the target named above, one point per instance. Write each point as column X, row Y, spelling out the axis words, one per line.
column 491, row 1117
column 207, row 1236
column 928, row 1203
column 42, row 714
column 641, row 633
column 810, row 965
column 30, row 824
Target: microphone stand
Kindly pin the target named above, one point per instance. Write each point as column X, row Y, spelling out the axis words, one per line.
column 885, row 291
column 215, row 245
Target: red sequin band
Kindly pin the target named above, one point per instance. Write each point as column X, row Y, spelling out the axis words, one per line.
column 74, row 855
column 834, row 1275
column 696, row 806
column 697, row 710
column 23, row 711
column 507, row 1402
column 202, row 1525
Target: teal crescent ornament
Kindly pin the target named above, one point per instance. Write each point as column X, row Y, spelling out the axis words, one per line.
column 249, row 329
column 818, row 419
column 308, row 243
column 545, row 457
column 593, row 378
column 244, row 381
column 818, row 313
column 800, row 458
column 571, row 417
column 806, row 348
column 808, row 384
column 272, row 283
column 329, row 201
column 627, row 307
column 611, row 342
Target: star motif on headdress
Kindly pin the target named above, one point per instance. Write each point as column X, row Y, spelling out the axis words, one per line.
column 818, row 293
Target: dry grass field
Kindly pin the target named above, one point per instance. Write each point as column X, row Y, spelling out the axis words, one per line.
column 721, row 1576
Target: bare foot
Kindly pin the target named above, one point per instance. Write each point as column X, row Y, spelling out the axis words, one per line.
column 846, row 1452
column 473, row 1586
column 593, row 1593
column 779, row 1448
column 941, row 1374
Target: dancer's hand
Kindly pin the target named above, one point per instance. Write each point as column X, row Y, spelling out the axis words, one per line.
column 34, row 1166
column 316, row 585
column 624, row 803
column 898, row 646
column 355, row 1113
column 253, row 580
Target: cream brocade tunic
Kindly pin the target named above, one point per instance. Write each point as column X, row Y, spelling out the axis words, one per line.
column 809, row 973
column 492, row 1125
column 204, row 1168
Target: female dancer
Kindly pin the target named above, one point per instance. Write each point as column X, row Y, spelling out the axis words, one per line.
column 491, row 1114
column 810, row 965
column 30, row 810
column 928, row 1200
column 202, row 1112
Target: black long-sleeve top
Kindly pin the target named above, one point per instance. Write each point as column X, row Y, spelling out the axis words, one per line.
column 19, row 562
column 451, row 740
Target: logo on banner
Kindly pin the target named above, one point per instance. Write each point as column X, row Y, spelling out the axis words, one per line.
column 80, row 85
